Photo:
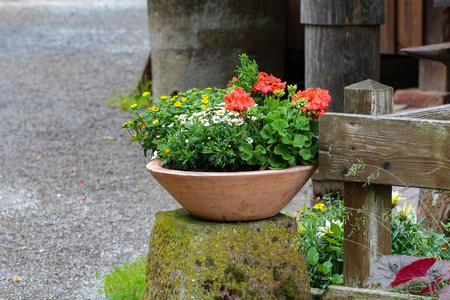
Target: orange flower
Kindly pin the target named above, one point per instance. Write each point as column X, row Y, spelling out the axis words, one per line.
column 312, row 102
column 268, row 83
column 238, row 100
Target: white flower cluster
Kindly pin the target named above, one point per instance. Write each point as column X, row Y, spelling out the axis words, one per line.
column 213, row 115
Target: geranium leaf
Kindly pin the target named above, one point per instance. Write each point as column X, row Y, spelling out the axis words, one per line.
column 416, row 269
column 299, row 140
column 280, row 125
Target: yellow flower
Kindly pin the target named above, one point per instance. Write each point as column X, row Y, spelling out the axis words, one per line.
column 312, row 215
column 133, row 106
column 176, row 104
column 406, row 212
column 124, row 124
column 396, row 196
column 301, row 212
column 208, row 88
column 155, row 122
column 163, row 97
column 167, row 151
column 130, row 122
column 444, row 248
column 301, row 229
column 145, row 94
column 318, row 198
column 320, row 206
column 294, row 216
column 184, row 99
column 205, row 100
column 155, row 108
column 203, row 106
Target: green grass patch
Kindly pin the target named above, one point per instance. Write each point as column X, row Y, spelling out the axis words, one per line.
column 126, row 281
column 124, row 100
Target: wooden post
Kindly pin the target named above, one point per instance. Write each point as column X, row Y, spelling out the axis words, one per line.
column 342, row 44
column 367, row 228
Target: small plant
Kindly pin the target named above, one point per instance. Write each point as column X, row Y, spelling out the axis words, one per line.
column 395, row 270
column 124, row 100
column 322, row 234
column 247, row 126
column 126, row 281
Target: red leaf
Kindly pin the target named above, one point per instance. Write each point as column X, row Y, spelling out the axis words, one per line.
column 416, row 269
column 427, row 289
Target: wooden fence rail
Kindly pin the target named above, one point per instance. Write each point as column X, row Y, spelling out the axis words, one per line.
column 413, row 147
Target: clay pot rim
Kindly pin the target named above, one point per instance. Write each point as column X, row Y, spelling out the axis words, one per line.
column 154, row 166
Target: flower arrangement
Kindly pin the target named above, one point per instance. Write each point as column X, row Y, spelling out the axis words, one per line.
column 247, row 126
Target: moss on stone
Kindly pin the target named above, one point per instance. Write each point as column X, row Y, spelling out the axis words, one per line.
column 190, row 258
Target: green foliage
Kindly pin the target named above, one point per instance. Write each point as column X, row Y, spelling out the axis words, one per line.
column 126, row 281
column 197, row 130
column 321, row 232
column 410, row 238
column 247, row 73
column 125, row 100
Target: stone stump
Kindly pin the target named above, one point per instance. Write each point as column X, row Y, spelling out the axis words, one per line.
column 190, row 258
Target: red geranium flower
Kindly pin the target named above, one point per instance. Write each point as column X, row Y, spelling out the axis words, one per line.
column 315, row 102
column 238, row 100
column 268, row 83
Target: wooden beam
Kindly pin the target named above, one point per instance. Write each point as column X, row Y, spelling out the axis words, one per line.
column 441, row 112
column 417, row 151
column 366, row 231
column 388, row 42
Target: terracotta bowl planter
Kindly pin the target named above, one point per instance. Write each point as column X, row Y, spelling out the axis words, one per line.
column 232, row 196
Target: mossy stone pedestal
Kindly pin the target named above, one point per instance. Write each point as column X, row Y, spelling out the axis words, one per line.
column 190, row 258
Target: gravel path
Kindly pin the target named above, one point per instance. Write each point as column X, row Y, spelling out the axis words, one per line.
column 75, row 198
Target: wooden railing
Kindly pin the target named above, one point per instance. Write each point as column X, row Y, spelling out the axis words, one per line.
column 413, row 147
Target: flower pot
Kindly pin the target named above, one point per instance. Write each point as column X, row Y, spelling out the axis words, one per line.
column 232, row 196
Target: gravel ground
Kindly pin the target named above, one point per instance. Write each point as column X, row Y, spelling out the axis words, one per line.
column 75, row 198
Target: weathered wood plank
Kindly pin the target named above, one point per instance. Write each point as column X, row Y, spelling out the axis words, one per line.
column 415, row 150
column 355, row 57
column 388, row 41
column 342, row 12
column 334, row 292
column 441, row 112
column 409, row 23
column 367, row 235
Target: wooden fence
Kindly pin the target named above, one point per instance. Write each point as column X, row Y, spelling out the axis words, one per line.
column 413, row 146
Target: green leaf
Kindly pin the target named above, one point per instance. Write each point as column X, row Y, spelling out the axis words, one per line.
column 312, row 256
column 301, row 123
column 276, row 160
column 287, row 140
column 299, row 140
column 267, row 132
column 246, row 151
column 280, row 125
column 305, row 153
column 322, row 268
column 336, row 229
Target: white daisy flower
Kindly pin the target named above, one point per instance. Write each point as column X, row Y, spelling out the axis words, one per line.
column 216, row 119
column 170, row 125
column 239, row 122
column 186, row 141
column 154, row 155
column 206, row 123
column 249, row 140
